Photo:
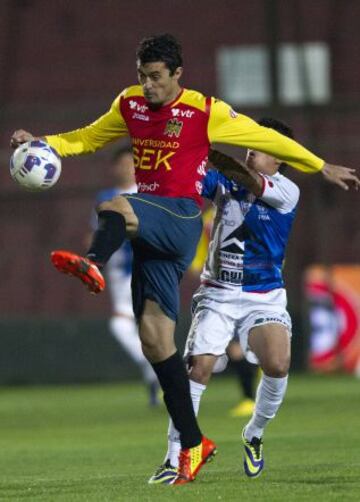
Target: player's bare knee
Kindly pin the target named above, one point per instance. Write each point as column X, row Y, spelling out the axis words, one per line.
column 153, row 350
column 277, row 367
column 149, row 351
column 199, row 371
column 156, row 345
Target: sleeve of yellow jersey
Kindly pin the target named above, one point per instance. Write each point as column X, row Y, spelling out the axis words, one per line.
column 105, row 129
column 225, row 126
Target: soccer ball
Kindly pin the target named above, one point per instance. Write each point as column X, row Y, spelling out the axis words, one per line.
column 35, row 165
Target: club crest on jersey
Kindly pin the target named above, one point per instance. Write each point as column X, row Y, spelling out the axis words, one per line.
column 173, row 128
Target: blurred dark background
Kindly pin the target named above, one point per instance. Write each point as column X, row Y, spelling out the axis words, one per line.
column 61, row 65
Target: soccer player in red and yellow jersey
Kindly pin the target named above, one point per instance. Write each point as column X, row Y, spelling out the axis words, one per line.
column 171, row 129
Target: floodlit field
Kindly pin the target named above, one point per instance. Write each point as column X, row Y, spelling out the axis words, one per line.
column 101, row 443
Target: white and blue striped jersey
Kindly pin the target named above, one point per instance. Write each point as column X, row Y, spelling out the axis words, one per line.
column 249, row 235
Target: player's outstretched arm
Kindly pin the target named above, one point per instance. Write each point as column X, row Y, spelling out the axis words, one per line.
column 237, row 171
column 226, row 126
column 342, row 176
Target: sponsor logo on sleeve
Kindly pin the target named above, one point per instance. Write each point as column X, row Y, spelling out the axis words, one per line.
column 201, row 169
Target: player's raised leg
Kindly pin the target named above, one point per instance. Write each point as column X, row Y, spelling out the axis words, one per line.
column 116, row 221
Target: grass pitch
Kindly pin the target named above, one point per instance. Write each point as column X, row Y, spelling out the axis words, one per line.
column 101, row 443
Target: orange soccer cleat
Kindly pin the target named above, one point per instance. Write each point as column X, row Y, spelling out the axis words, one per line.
column 192, row 459
column 87, row 271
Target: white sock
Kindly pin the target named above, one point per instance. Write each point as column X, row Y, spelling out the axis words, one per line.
column 174, row 445
column 269, row 396
column 125, row 331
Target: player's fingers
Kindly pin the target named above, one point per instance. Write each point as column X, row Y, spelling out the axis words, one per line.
column 353, row 179
column 356, row 183
column 339, row 181
column 14, row 142
column 20, row 136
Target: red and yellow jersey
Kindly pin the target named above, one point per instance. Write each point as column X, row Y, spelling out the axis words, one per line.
column 171, row 143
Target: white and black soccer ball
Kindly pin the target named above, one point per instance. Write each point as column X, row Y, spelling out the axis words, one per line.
column 35, row 165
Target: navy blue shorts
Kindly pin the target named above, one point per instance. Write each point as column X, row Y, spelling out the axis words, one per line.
column 169, row 230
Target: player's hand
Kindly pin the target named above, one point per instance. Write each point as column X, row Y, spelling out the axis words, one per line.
column 342, row 176
column 19, row 137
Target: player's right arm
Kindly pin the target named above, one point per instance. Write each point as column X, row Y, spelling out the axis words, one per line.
column 104, row 130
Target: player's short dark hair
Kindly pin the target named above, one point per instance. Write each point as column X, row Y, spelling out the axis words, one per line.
column 163, row 48
column 280, row 127
column 121, row 152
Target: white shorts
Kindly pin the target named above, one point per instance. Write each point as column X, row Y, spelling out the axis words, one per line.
column 219, row 315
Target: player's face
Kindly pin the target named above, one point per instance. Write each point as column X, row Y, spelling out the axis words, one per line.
column 262, row 162
column 159, row 87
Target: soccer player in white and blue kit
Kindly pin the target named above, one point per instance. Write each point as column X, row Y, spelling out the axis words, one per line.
column 242, row 291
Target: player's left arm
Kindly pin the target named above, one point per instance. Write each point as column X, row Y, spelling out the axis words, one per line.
column 226, row 126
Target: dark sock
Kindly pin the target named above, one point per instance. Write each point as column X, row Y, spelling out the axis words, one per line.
column 174, row 381
column 109, row 236
column 246, row 373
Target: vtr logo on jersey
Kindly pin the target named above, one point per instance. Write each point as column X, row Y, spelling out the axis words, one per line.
column 173, row 128
column 134, row 105
column 176, row 112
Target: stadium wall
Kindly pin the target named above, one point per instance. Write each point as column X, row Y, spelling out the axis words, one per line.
column 62, row 63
